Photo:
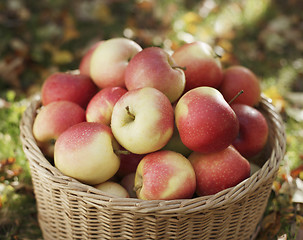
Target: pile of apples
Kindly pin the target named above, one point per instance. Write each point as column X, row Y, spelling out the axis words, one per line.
column 150, row 124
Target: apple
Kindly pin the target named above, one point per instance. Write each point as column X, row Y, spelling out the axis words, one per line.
column 84, row 66
column 143, row 120
column 154, row 67
column 113, row 188
column 203, row 66
column 100, row 107
column 86, row 152
column 253, row 168
column 128, row 162
column 109, row 61
column 205, row 121
column 52, row 120
column 237, row 78
column 69, row 86
column 219, row 170
column 165, row 175
column 175, row 144
column 128, row 182
column 253, row 131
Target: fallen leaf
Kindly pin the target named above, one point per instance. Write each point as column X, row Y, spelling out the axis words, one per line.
column 277, row 99
column 70, row 30
column 296, row 172
column 270, row 226
column 62, row 57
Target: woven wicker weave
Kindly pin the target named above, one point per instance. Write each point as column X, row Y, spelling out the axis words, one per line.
column 68, row 209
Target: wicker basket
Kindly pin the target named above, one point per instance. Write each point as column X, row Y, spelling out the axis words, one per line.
column 68, row 209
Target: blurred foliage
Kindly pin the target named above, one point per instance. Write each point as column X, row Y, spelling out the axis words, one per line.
column 41, row 37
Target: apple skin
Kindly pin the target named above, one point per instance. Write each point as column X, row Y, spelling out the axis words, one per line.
column 205, row 121
column 218, row 171
column 68, row 86
column 52, row 120
column 84, row 66
column 175, row 144
column 113, row 188
column 154, row 67
column 128, row 182
column 253, row 131
column 203, row 67
column 253, row 168
column 109, row 61
column 86, row 152
column 237, row 78
column 100, row 107
column 165, row 175
column 148, row 123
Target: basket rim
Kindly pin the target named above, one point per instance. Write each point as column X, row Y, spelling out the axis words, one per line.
column 95, row 196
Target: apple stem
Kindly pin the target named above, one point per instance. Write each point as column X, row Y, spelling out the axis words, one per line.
column 129, row 113
column 233, row 99
column 179, row 67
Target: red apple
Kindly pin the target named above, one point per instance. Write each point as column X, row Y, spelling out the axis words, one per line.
column 109, row 61
column 237, row 78
column 84, row 66
column 52, row 120
column 165, row 175
column 143, row 120
column 69, row 86
column 203, row 67
column 218, row 171
column 100, row 107
column 205, row 121
column 154, row 67
column 113, row 188
column 86, row 152
column 253, row 132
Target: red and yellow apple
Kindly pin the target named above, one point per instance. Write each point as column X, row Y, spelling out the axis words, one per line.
column 52, row 120
column 68, row 86
column 237, row 78
column 86, row 152
column 143, row 120
column 219, row 170
column 113, row 188
column 154, row 67
column 165, row 175
column 205, row 121
column 253, row 131
column 84, row 66
column 203, row 66
column 100, row 107
column 109, row 61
